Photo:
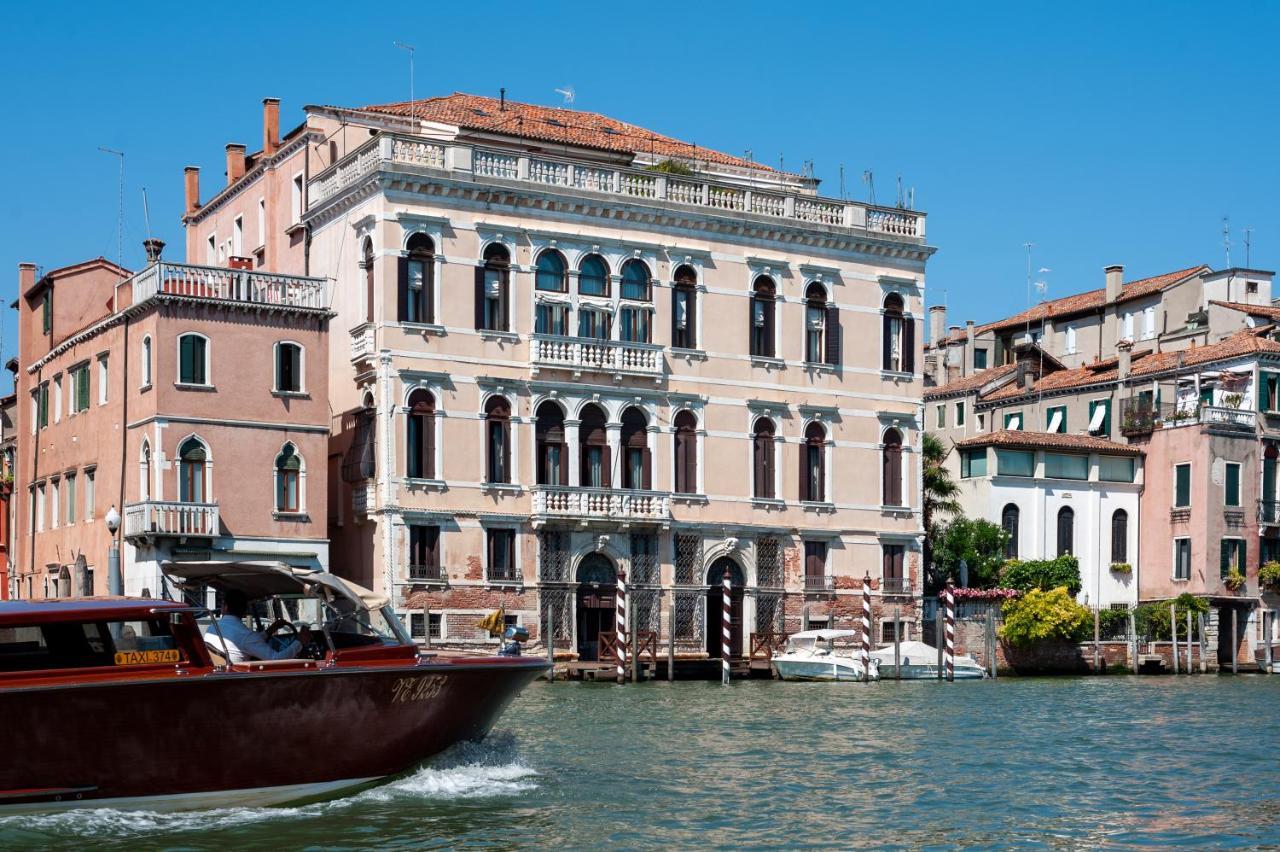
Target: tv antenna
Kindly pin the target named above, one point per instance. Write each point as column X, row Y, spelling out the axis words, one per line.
column 146, row 212
column 870, row 180
column 843, row 197
column 413, row 105
column 1226, row 238
column 119, row 206
column 1248, row 232
column 568, row 94
column 900, row 199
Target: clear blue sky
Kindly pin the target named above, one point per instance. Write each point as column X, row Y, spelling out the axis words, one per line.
column 1103, row 133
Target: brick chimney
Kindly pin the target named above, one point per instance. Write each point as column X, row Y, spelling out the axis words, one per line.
column 1124, row 350
column 1115, row 281
column 937, row 323
column 235, row 162
column 270, row 126
column 191, row 174
column 26, row 277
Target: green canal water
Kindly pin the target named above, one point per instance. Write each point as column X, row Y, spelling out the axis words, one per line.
column 1064, row 763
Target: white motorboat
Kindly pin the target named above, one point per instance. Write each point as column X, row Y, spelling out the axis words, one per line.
column 920, row 662
column 823, row 655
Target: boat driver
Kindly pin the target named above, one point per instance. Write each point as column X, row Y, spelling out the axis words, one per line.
column 243, row 644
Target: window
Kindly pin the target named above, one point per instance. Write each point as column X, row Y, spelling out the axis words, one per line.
column 892, row 578
column 593, row 276
column 1115, row 469
column 57, row 399
column 1182, row 559
column 982, row 421
column 1066, row 531
column 1070, row 334
column 102, row 379
column 959, row 414
column 552, row 450
column 46, row 311
column 1268, row 391
column 420, row 437
column 39, row 513
column 193, row 368
column 973, row 463
column 979, row 359
column 262, row 222
column 1149, row 322
column 415, row 281
column 891, row 468
column 502, row 555
column 686, row 453
column 815, row 324
column 593, row 323
column 1231, row 486
column 288, row 368
column 1127, row 334
column 79, row 389
column 549, row 272
column 370, row 280
column 1232, row 556
column 497, row 415
column 144, row 471
column 898, row 337
column 55, row 502
column 492, row 285
column 90, row 494
column 594, row 447
column 296, row 199
column 69, row 492
column 1013, row 421
column 42, row 405
column 551, row 318
column 636, row 468
column 635, row 281
column 1009, row 523
column 1119, row 536
column 1015, row 462
column 1181, row 485
column 1100, row 417
column 684, row 302
column 813, row 467
column 237, row 237
column 211, row 250
column 288, row 480
column 1056, row 419
column 762, row 450
column 940, row 416
column 424, row 552
column 192, row 457
column 815, row 566
column 1063, row 466
column 635, row 327
column 146, row 361
column 762, row 307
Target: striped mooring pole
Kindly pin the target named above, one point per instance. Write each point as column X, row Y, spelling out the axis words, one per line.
column 866, row 628
column 950, row 597
column 726, row 598
column 620, row 625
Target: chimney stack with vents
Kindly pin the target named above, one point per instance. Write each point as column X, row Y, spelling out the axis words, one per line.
column 1125, row 350
column 1115, row 281
column 937, row 323
column 235, row 162
column 502, row 99
column 192, row 177
column 270, row 126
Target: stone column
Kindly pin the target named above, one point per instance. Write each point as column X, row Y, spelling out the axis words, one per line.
column 571, row 446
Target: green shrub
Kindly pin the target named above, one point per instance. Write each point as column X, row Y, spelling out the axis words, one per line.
column 1043, row 574
column 1112, row 619
column 979, row 543
column 1042, row 616
column 1152, row 619
column 1269, row 575
column 671, row 167
column 1121, row 568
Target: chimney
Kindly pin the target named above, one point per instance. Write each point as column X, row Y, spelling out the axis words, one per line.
column 235, row 162
column 1125, row 354
column 1115, row 281
column 153, row 247
column 26, row 277
column 953, row 331
column 968, row 331
column 191, row 174
column 270, row 126
column 937, row 323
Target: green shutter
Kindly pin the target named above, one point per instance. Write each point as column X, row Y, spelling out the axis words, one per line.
column 184, row 360
column 82, row 389
column 1233, row 485
column 1226, row 557
column 1106, row 419
column 1182, row 493
column 1264, row 392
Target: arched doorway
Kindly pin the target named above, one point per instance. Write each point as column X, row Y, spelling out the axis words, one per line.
column 715, row 604
column 597, row 603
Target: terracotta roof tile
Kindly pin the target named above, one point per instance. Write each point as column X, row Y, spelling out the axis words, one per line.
column 1268, row 311
column 1048, row 441
column 972, row 381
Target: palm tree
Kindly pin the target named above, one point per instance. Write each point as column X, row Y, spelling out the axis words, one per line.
column 940, row 490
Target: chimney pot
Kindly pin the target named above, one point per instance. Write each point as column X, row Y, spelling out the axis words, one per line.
column 153, row 247
column 191, row 174
column 937, row 323
column 270, row 126
column 235, row 162
column 26, row 277
column 1124, row 351
column 968, row 330
column 1115, row 281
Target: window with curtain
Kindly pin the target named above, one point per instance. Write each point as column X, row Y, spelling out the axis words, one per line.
column 593, row 445
column 416, row 281
column 635, row 281
column 891, row 468
column 973, row 463
column 1182, row 559
column 288, row 480
column 897, row 336
column 635, row 449
column 813, row 473
column 683, row 309
column 1064, row 466
column 288, row 368
column 497, row 415
column 634, row 326
column 549, row 272
column 552, row 452
column 593, row 276
column 1009, row 517
column 764, row 295
column 1119, row 536
column 1066, row 531
column 686, row 453
column 551, row 318
column 762, row 452
column 193, row 369
column 593, row 323
column 492, row 289
column 420, row 437
column 192, row 458
column 815, row 320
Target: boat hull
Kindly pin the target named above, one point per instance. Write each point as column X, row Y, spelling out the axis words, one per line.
column 928, row 672
column 821, row 668
column 247, row 738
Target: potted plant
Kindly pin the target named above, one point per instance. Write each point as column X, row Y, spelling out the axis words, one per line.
column 1234, row 580
column 1121, row 568
column 1232, row 400
column 1269, row 575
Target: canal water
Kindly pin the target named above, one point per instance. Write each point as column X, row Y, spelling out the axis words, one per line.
column 1066, row 763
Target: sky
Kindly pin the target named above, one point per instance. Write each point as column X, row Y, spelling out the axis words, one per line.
column 1100, row 133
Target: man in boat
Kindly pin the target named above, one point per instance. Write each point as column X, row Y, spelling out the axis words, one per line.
column 243, row 644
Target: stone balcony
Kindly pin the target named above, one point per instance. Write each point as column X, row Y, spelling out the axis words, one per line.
column 362, row 344
column 223, row 284
column 580, row 355
column 151, row 519
column 600, row 504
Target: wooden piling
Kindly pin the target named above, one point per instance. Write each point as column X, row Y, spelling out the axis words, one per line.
column 938, row 637
column 1235, row 642
column 1173, row 635
column 635, row 638
column 897, row 643
column 1133, row 642
column 550, row 638
column 426, row 624
column 1266, row 637
column 1189, row 641
column 1203, row 645
column 671, row 638
column 1097, row 640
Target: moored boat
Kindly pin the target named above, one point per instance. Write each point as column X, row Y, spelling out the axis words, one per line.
column 920, row 662
column 823, row 655
column 127, row 703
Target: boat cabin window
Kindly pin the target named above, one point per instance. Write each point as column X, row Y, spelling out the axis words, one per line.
column 78, row 645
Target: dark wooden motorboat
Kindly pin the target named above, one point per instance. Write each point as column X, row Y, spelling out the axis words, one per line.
column 121, row 702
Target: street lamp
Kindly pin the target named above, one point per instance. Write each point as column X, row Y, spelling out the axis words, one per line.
column 115, row 583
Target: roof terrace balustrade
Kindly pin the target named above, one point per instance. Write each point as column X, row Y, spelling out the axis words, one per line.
column 218, row 283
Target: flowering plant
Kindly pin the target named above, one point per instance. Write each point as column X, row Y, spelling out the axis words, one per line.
column 1122, row 567
column 986, row 594
column 1234, row 580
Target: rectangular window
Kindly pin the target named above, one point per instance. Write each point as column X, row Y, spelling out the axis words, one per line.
column 1115, row 469
column 80, row 389
column 1100, row 417
column 1013, row 421
column 1128, row 326
column 551, row 318
column 979, row 359
column 982, row 421
column 1182, row 485
column 635, row 325
column 959, row 414
column 1061, row 466
column 1232, row 556
column 940, row 419
column 1070, row 340
column 57, row 399
column 892, row 578
column 1269, row 392
column 593, row 324
column 1182, row 559
column 40, row 507
column 1015, row 462
column 102, row 379
column 211, row 250
column 262, row 222
column 502, row 555
column 424, row 552
column 90, row 493
column 42, row 405
column 237, row 237
column 1148, row 322
column 297, row 200
column 973, row 463
column 55, row 502
column 1231, row 487
column 69, row 492
column 46, row 311
column 1056, row 419
column 815, row 566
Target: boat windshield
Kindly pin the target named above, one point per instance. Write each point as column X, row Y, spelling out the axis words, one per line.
column 805, row 643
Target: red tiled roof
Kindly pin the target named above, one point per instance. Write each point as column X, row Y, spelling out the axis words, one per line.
column 558, row 125
column 1268, row 311
column 1048, row 441
column 972, row 381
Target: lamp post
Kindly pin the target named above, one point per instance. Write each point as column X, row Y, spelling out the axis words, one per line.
column 115, row 583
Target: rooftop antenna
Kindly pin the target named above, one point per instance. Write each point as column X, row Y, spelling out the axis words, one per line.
column 1247, row 234
column 843, row 197
column 146, row 212
column 1028, row 246
column 911, row 198
column 870, row 180
column 1226, row 238
column 119, row 206
column 502, row 99
column 413, row 105
column 568, row 94
column 900, row 199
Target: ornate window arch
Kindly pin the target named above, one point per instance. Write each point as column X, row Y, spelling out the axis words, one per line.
column 289, row 472
column 1119, row 536
column 370, row 281
column 144, row 471
column 593, row 443
column 493, row 286
column 1066, row 531
column 636, row 281
column 497, row 415
column 420, row 435
column 415, row 281
column 686, row 452
column 762, row 452
column 551, row 272
column 898, row 339
column 551, row 443
column 637, row 468
column 891, row 467
column 593, row 276
column 764, row 293
column 813, row 464
column 1009, row 518
column 684, row 308
column 194, row 463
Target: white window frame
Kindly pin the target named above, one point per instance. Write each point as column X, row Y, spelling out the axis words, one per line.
column 1239, row 486
column 1149, row 322
column 1070, row 347
column 39, row 500
column 940, row 416
column 90, row 493
column 237, row 236
column 296, row 198
column 57, row 398
column 146, row 362
column 517, row 569
column 958, row 414
column 1174, row 566
column 55, row 500
column 302, row 368
column 262, row 222
column 211, row 250
column 981, row 420
column 1127, row 334
column 302, row 482
column 69, row 492
column 208, row 361
column 103, row 375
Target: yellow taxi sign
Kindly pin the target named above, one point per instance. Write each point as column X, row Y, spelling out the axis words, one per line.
column 142, row 658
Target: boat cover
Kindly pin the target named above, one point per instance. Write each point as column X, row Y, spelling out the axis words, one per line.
column 825, row 635
column 260, row 579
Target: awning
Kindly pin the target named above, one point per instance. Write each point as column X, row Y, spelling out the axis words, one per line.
column 1099, row 414
column 1015, row 423
column 1055, row 422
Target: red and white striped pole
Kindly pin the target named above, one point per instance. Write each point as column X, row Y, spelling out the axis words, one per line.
column 726, row 598
column 866, row 628
column 950, row 597
column 620, row 625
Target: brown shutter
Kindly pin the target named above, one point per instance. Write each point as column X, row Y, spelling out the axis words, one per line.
column 804, row 472
column 751, row 327
column 758, row 471
column 402, row 288
column 428, row 441
column 675, row 315
column 606, row 467
column 504, row 303
column 908, row 345
column 893, row 475
column 647, row 483
column 691, row 462
column 564, row 464
column 822, row 474
column 886, row 341
column 479, row 297
column 833, row 336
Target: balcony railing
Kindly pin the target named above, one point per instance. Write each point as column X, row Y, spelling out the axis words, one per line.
column 1269, row 512
column 613, row 504
column 170, row 518
column 816, row 584
column 1140, row 417
column 1233, row 419
column 391, row 151
column 894, row 586
column 230, row 285
column 362, row 342
column 426, row 573
column 600, row 356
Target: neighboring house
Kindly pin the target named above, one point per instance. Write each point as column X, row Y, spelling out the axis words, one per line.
column 8, row 449
column 193, row 400
column 577, row 347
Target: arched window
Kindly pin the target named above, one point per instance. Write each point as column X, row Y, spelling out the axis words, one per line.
column 635, row 281
column 193, row 359
column 550, row 274
column 891, row 465
column 553, row 459
column 1066, row 531
column 762, row 457
column 815, row 321
column 1119, row 536
column 686, row 440
column 144, row 471
column 146, row 361
column 813, row 468
column 420, row 437
column 288, row 367
column 492, row 289
column 684, row 305
column 193, row 458
column 497, row 415
column 594, row 447
column 416, row 281
column 899, row 337
column 593, row 276
column 288, row 480
column 636, row 469
column 763, row 296
column 1009, row 522
column 370, row 286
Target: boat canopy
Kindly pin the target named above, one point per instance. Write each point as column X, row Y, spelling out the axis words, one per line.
column 261, row 579
column 825, row 635
column 914, row 650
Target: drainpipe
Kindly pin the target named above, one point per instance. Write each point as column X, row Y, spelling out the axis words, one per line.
column 115, row 574
column 35, row 474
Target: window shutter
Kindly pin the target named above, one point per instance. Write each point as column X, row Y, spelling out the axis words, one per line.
column 198, row 346
column 908, row 344
column 1233, row 485
column 647, row 481
column 804, row 472
column 479, row 297
column 1225, row 566
column 886, row 342
column 833, row 336
column 758, row 474
column 751, row 327
column 428, row 444
column 691, row 333
column 1264, row 392
column 606, row 467
column 402, row 288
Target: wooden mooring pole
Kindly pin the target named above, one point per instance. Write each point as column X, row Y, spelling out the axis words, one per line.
column 426, row 625
column 938, row 637
column 1133, row 642
column 550, row 638
column 866, row 628
column 991, row 642
column 1266, row 637
column 1173, row 635
column 726, row 624
column 897, row 643
column 1204, row 647
column 620, row 626
column 1097, row 644
column 635, row 639
column 1235, row 642
column 1189, row 640
column 951, row 633
column 671, row 638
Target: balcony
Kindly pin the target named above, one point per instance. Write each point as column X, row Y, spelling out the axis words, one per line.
column 816, row 584
column 168, row 518
column 1229, row 419
column 362, row 345
column 1269, row 513
column 895, row 586
column 220, row 284
column 427, row 574
column 586, row 355
column 601, row 504
column 1138, row 416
